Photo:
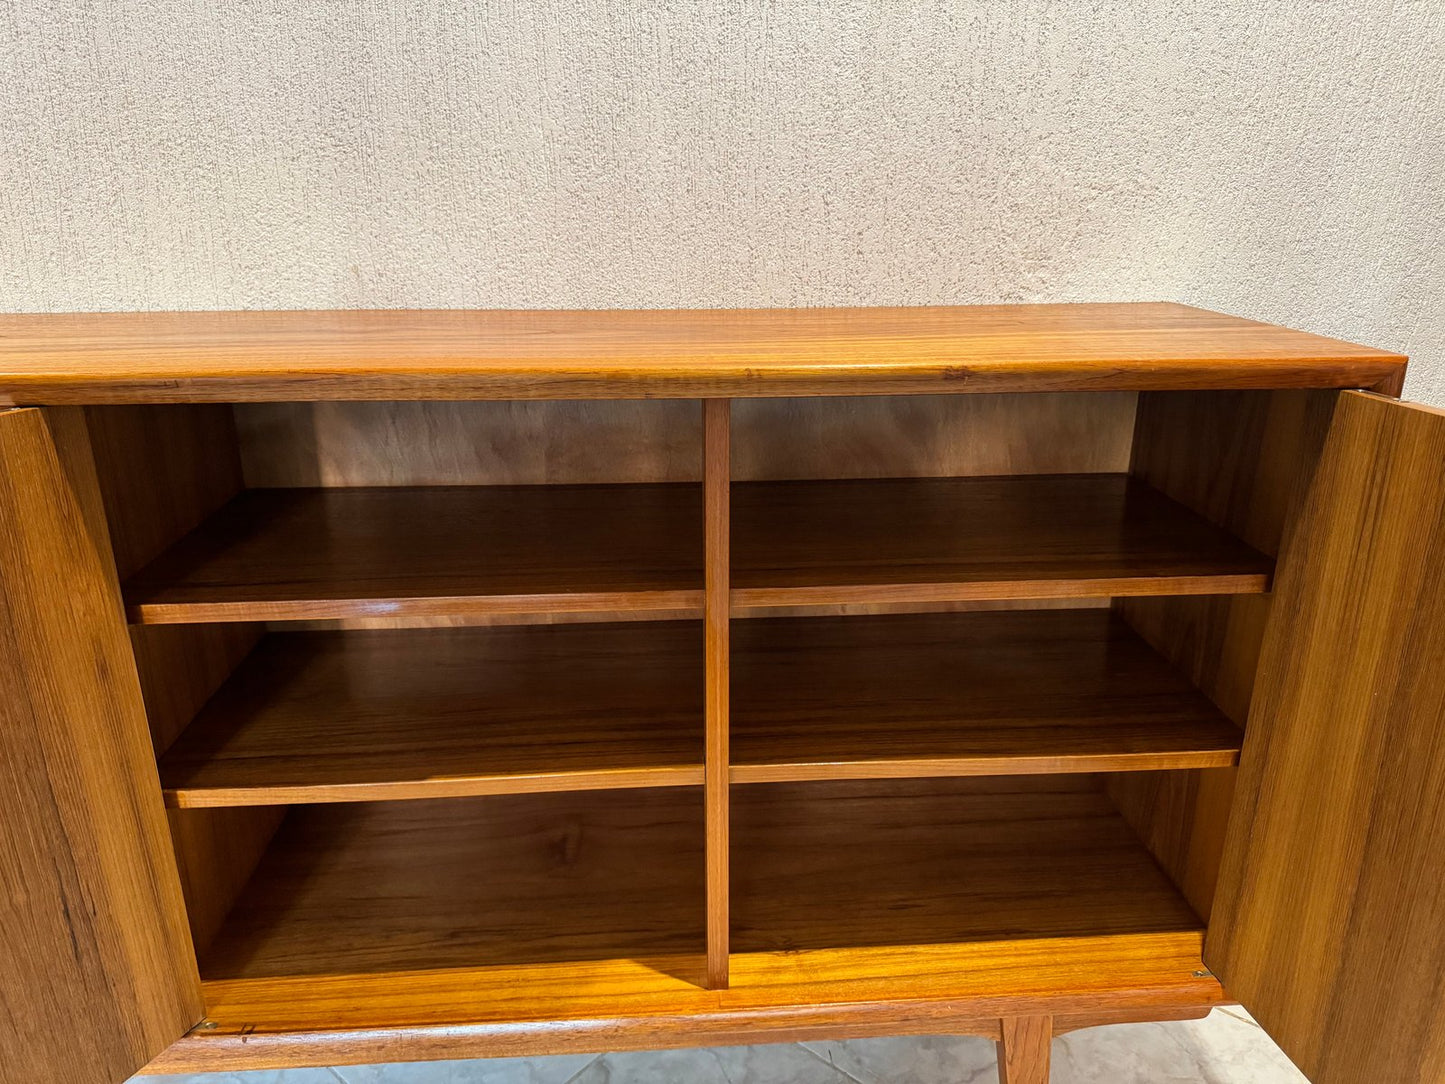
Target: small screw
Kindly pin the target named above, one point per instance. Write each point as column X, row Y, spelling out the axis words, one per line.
column 1204, row 974
column 206, row 1025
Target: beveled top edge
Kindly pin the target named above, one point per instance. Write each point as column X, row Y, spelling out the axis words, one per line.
column 260, row 355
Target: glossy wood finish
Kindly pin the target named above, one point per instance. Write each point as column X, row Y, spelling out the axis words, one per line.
column 478, row 442
column 1023, row 1050
column 347, row 716
column 962, row 694
column 717, row 477
column 940, row 539
column 660, row 440
column 162, row 470
column 1002, row 893
column 217, row 851
column 1330, row 923
column 591, row 922
column 923, row 436
column 98, row 975
column 548, row 354
column 478, row 550
column 473, row 883
column 658, row 1002
column 921, row 862
column 610, row 874
column 1244, row 461
column 438, row 550
column 351, row 716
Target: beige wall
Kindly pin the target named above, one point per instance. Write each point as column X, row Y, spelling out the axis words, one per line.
column 1281, row 159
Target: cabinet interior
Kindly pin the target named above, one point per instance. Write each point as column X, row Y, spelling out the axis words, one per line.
column 426, row 683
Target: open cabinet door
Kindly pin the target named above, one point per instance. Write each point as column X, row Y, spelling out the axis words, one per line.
column 97, row 974
column 1329, row 925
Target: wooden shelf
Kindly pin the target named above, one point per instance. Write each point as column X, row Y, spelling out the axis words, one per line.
column 947, row 539
column 284, row 554
column 415, row 713
column 535, row 881
column 426, row 713
column 1030, row 691
column 476, row 550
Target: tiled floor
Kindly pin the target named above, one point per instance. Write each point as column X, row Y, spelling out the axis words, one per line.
column 1225, row 1048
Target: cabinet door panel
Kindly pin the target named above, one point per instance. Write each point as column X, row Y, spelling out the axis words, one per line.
column 1329, row 924
column 97, row 974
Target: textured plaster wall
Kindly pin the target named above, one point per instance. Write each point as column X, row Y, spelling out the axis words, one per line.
column 1282, row 160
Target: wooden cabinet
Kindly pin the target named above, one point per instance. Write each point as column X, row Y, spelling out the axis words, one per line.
column 405, row 685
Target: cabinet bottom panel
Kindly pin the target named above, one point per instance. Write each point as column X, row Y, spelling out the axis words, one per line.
column 655, row 1003
column 551, row 922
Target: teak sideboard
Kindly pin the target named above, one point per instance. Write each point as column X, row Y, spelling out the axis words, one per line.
column 402, row 685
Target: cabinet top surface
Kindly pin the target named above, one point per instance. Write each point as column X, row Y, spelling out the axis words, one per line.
column 555, row 354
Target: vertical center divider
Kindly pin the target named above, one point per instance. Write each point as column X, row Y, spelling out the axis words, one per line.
column 717, row 475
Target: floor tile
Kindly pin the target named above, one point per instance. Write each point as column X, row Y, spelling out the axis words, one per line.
column 262, row 1076
column 958, row 1059
column 1225, row 1048
column 556, row 1070
column 775, row 1064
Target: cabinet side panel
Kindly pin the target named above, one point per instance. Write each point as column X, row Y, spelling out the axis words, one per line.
column 161, row 471
column 496, row 443
column 99, row 975
column 1243, row 460
column 217, row 850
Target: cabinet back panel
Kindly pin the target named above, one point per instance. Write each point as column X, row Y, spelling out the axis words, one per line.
column 497, row 443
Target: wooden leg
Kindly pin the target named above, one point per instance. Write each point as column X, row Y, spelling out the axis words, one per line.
column 1023, row 1052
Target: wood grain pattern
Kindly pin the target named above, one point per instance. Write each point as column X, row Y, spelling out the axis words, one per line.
column 1330, row 925
column 1023, row 1050
column 351, row 716
column 901, row 436
column 461, row 442
column 182, row 666
column 476, row 550
column 473, row 883
column 162, row 470
column 922, row 862
column 330, row 553
column 658, row 1002
column 217, row 851
column 415, row 354
column 962, row 694
column 1244, row 461
column 590, row 924
column 943, row 539
column 219, row 1048
column 98, row 973
column 588, row 441
column 319, row 717
column 717, row 478
column 371, row 887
